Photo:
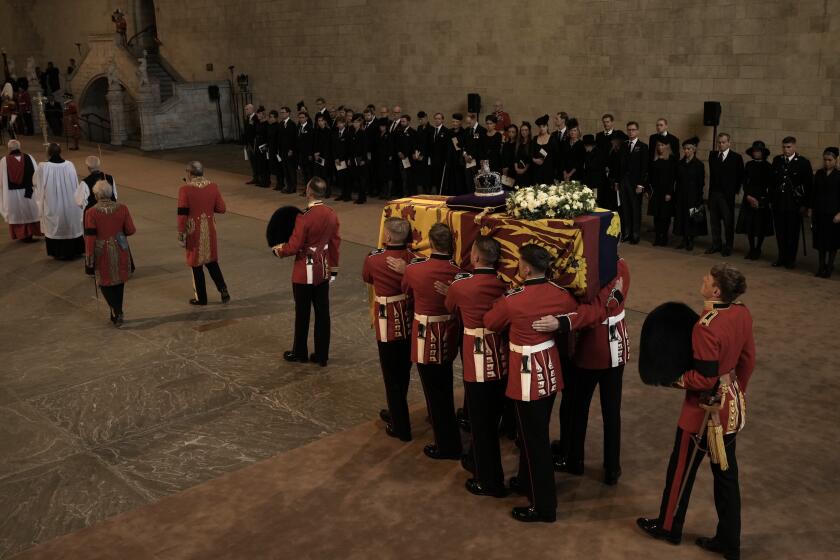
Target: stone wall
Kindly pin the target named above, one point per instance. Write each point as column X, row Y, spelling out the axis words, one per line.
column 772, row 63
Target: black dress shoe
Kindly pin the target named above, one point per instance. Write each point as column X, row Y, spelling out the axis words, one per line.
column 611, row 477
column 777, row 263
column 652, row 528
column 432, row 452
column 225, row 296
column 726, row 251
column 393, row 433
column 562, row 464
column 819, row 273
column 118, row 320
column 530, row 515
column 682, row 245
column 317, row 360
column 197, row 302
column 475, row 487
column 712, row 250
column 515, row 485
column 790, row 266
column 290, row 356
column 689, row 247
column 710, row 544
column 385, row 415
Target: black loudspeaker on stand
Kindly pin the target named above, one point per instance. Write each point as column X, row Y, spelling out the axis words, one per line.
column 711, row 117
column 473, row 103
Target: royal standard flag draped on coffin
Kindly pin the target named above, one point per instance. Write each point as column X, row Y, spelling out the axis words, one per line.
column 584, row 249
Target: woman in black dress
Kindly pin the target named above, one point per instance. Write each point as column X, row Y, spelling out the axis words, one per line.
column 689, row 212
column 522, row 164
column 755, row 218
column 661, row 179
column 493, row 144
column 572, row 153
column 543, row 154
column 825, row 212
column 594, row 173
column 509, row 156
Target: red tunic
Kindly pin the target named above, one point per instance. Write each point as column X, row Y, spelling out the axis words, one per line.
column 533, row 354
column 71, row 120
column 198, row 201
column 502, row 120
column 315, row 243
column 434, row 331
column 723, row 343
column 107, row 224
column 24, row 101
column 393, row 307
column 602, row 339
column 484, row 353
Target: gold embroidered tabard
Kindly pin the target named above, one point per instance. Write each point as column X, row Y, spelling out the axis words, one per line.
column 203, row 239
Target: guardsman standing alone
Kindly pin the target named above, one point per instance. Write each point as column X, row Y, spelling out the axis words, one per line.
column 393, row 324
column 434, row 340
column 485, row 355
column 724, row 358
column 315, row 244
column 535, row 377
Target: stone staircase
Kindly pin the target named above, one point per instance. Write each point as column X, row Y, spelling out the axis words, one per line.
column 158, row 73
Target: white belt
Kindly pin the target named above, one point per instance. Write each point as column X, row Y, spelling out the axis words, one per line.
column 424, row 320
column 479, row 349
column 614, row 339
column 382, row 316
column 525, row 368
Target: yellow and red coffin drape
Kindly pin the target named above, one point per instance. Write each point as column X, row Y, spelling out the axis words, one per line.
column 584, row 249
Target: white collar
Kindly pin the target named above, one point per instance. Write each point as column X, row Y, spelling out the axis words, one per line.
column 725, row 153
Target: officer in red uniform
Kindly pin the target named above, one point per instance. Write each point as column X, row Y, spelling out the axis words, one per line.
column 484, row 355
column 434, row 340
column 198, row 201
column 724, row 358
column 602, row 347
column 315, row 244
column 393, row 324
column 535, row 376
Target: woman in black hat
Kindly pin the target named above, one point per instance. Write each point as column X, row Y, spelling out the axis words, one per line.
column 825, row 212
column 543, row 154
column 755, row 218
column 571, row 152
column 523, row 164
column 661, row 179
column 689, row 212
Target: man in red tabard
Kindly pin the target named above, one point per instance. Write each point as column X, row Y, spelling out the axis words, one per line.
column 434, row 340
column 198, row 201
column 724, row 358
column 393, row 324
column 315, row 244
column 484, row 354
column 16, row 203
column 535, row 376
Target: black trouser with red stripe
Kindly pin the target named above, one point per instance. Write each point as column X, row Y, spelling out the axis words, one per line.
column 485, row 403
column 536, row 468
column 395, row 358
column 583, row 382
column 440, row 400
column 318, row 298
column 727, row 492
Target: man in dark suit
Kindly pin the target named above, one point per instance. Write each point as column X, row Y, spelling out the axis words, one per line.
column 560, row 134
column 726, row 175
column 439, row 144
column 322, row 110
column 288, row 138
column 396, row 174
column 261, row 155
column 662, row 131
column 474, row 141
column 603, row 138
column 275, row 157
column 420, row 157
column 303, row 145
column 633, row 178
column 370, row 132
column 340, row 152
column 248, row 134
column 406, row 144
column 792, row 183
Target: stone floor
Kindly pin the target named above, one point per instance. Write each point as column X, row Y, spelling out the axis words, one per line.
column 96, row 421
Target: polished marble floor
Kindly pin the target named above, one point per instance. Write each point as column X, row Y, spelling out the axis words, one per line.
column 96, row 421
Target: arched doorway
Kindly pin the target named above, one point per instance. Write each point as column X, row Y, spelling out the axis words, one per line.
column 93, row 111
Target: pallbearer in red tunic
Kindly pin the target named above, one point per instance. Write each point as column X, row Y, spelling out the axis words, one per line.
column 392, row 321
column 315, row 244
column 198, row 203
column 107, row 255
column 535, row 377
column 434, row 340
column 724, row 358
column 17, row 205
column 601, row 350
column 484, row 354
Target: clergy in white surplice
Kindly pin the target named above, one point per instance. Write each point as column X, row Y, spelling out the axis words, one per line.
column 61, row 218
